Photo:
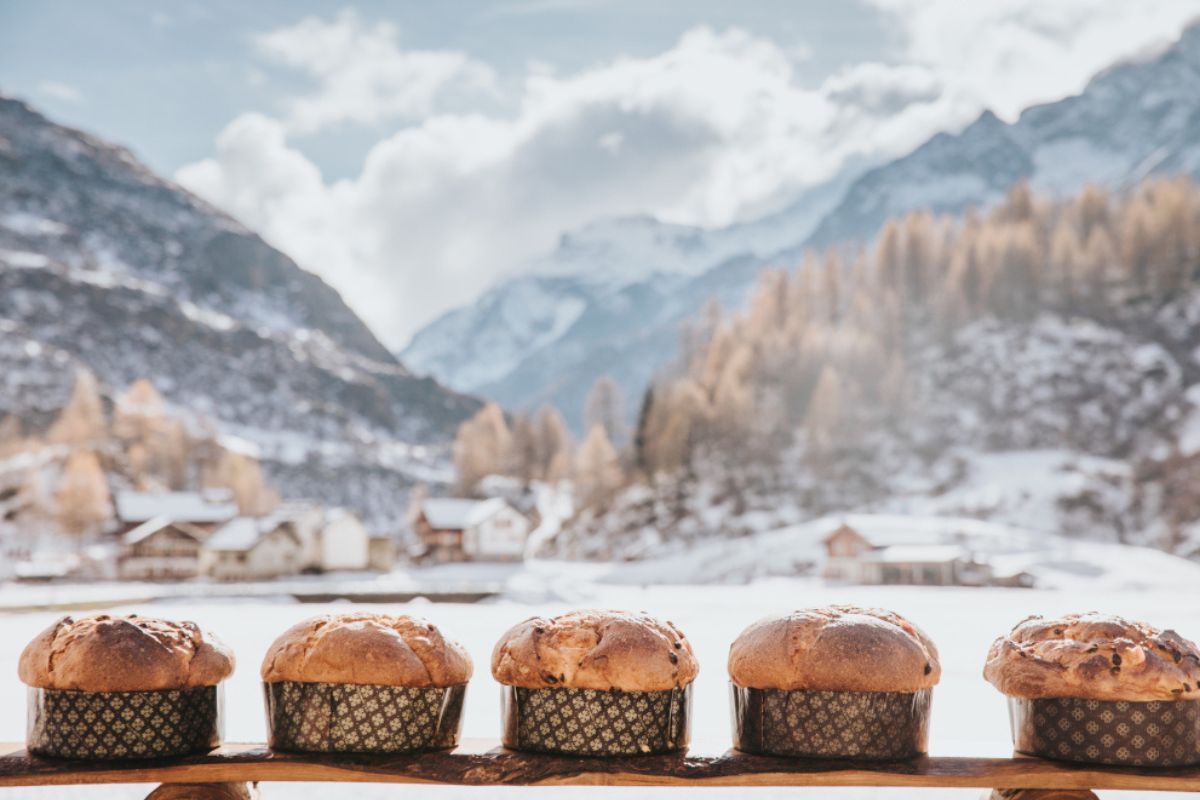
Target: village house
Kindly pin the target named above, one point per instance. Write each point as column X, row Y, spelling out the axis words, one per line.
column 459, row 529
column 250, row 548
column 381, row 552
column 344, row 542
column 160, row 549
column 296, row 537
column 204, row 509
column 852, row 557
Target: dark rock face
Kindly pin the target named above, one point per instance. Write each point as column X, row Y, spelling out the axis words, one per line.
column 105, row 265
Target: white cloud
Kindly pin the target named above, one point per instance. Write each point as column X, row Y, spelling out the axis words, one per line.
column 713, row 129
column 60, row 91
column 362, row 75
column 1008, row 55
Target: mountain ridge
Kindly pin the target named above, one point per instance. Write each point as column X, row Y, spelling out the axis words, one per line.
column 948, row 173
column 105, row 265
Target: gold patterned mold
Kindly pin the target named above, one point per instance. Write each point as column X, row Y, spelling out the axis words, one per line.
column 355, row 718
column 802, row 723
column 593, row 722
column 1157, row 733
column 123, row 725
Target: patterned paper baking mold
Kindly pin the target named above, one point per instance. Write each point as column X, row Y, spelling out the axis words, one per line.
column 121, row 725
column 868, row 726
column 1159, row 733
column 592, row 722
column 362, row 718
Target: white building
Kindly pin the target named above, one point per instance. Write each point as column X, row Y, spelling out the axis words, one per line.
column 295, row 538
column 248, row 548
column 344, row 542
column 856, row 558
column 459, row 529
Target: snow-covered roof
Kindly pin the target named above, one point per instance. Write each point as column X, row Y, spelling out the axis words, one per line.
column 243, row 533
column 918, row 553
column 215, row 505
column 456, row 513
column 240, row 533
column 154, row 526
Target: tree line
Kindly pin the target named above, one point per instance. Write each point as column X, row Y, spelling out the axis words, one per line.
column 141, row 444
column 821, row 354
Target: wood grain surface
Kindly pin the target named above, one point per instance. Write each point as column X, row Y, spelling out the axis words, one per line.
column 484, row 763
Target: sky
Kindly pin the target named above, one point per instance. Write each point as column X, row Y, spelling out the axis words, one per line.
column 414, row 153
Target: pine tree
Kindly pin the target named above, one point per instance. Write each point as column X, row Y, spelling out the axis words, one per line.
column 826, row 411
column 82, row 421
column 482, row 447
column 597, row 470
column 641, row 460
column 82, row 499
column 605, row 407
column 243, row 476
column 140, row 412
column 554, row 454
column 523, row 454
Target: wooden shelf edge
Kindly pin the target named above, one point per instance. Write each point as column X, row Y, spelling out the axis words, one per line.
column 483, row 763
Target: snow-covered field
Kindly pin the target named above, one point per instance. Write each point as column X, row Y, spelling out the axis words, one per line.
column 969, row 715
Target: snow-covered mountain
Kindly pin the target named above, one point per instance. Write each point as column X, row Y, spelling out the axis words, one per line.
column 105, row 265
column 610, row 298
column 1134, row 119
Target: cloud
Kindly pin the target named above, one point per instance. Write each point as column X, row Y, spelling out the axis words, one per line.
column 363, row 75
column 713, row 129
column 60, row 91
column 1009, row 55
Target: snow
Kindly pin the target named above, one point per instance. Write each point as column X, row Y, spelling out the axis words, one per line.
column 207, row 316
column 236, row 535
column 23, row 259
column 1056, row 562
column 970, row 717
column 27, row 224
column 145, row 529
column 456, row 513
column 209, row 506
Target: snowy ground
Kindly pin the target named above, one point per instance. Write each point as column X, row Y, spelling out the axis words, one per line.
column 969, row 715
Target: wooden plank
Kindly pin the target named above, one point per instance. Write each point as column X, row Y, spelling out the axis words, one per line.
column 482, row 763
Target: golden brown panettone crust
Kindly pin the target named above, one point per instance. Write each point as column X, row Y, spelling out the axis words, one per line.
column 103, row 653
column 1096, row 657
column 593, row 649
column 366, row 648
column 837, row 649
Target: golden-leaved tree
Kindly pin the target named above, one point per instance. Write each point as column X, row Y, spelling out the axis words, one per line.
column 597, row 469
column 82, row 422
column 821, row 353
column 82, row 500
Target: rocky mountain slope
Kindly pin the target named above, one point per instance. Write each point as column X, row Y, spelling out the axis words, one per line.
column 105, row 265
column 1135, row 119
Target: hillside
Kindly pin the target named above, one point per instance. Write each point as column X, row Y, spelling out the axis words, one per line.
column 106, row 266
column 1133, row 120
column 1036, row 366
